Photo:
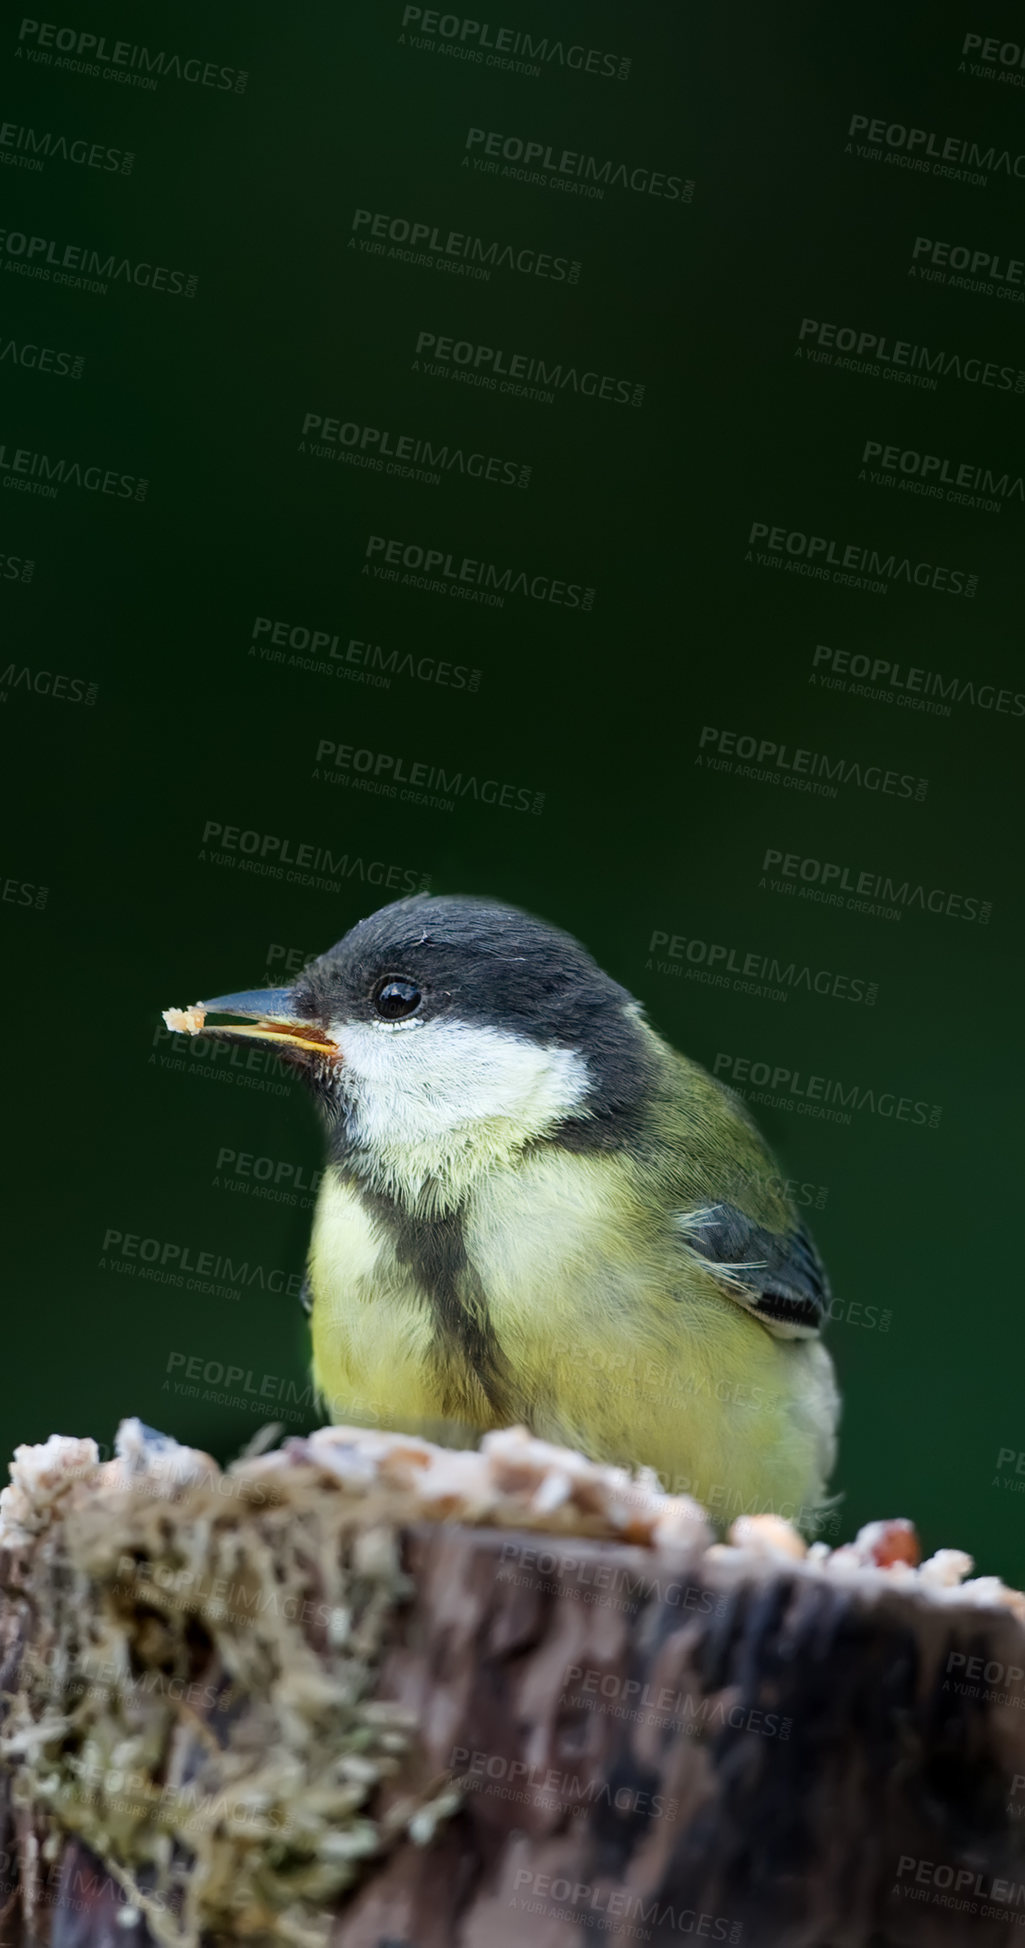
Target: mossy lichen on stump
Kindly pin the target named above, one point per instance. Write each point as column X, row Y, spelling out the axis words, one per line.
column 196, row 1704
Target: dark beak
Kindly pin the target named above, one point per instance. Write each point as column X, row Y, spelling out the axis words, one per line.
column 269, row 1016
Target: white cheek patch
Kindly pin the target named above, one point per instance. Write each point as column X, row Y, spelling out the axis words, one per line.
column 450, row 1080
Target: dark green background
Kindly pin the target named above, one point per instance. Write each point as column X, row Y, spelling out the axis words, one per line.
column 106, row 806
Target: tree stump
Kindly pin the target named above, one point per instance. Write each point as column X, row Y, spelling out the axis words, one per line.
column 362, row 1694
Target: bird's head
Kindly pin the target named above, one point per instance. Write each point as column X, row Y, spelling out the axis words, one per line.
column 441, row 1035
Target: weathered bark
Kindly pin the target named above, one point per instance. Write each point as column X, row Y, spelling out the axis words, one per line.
column 795, row 1839
column 651, row 1745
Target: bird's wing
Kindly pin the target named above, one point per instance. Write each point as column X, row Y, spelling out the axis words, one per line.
column 777, row 1276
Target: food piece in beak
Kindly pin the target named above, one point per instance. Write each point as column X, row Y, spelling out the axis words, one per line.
column 186, row 1021
column 274, row 1019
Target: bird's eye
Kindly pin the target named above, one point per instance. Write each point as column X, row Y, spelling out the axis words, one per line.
column 395, row 997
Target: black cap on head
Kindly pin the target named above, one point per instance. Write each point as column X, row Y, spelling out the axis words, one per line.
column 480, row 962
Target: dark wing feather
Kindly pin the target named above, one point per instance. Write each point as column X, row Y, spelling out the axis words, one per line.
column 779, row 1277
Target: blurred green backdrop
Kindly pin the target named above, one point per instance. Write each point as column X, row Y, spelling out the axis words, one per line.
column 250, row 188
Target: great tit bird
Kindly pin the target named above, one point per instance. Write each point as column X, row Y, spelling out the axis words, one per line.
column 535, row 1211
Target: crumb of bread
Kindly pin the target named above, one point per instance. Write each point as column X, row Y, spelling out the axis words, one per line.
column 185, row 1021
column 40, row 1475
column 947, row 1568
column 768, row 1535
